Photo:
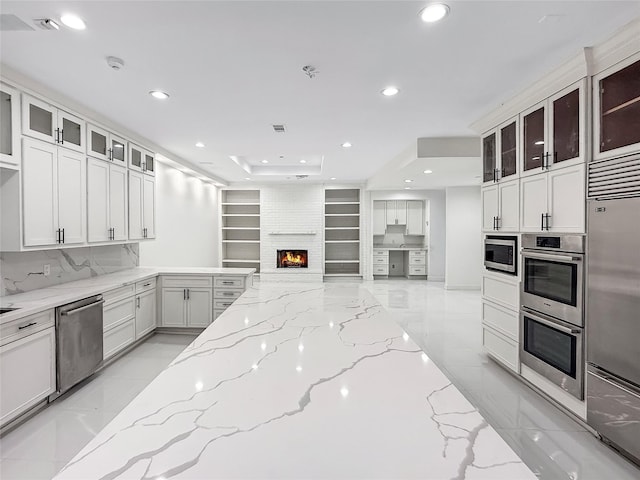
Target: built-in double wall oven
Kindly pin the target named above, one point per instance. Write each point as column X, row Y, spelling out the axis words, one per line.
column 552, row 316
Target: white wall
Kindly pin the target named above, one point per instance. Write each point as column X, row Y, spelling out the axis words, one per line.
column 435, row 214
column 463, row 238
column 186, row 222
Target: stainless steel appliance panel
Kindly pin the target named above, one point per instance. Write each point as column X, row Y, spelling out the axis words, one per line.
column 613, row 291
column 554, row 349
column 79, row 341
column 613, row 409
column 500, row 253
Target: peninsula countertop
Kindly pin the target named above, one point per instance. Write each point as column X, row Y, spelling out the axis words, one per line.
column 36, row 301
column 299, row 381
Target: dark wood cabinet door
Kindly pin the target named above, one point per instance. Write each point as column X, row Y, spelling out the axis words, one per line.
column 533, row 138
column 566, row 127
column 508, row 147
column 489, row 157
column 620, row 108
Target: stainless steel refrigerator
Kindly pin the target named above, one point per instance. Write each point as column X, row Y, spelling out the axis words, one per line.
column 613, row 322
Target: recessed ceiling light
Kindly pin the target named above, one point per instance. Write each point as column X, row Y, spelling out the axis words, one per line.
column 434, row 12
column 346, row 145
column 390, row 91
column 247, row 178
column 159, row 94
column 303, row 161
column 199, row 144
column 428, row 171
column 407, row 188
column 73, row 21
column 333, row 178
column 264, row 161
column 408, row 181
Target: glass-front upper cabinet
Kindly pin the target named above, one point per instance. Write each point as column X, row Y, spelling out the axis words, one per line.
column 9, row 127
column 136, row 157
column 46, row 122
column 554, row 131
column 97, row 142
column 149, row 163
column 118, row 150
column 617, row 109
column 489, row 165
column 508, row 158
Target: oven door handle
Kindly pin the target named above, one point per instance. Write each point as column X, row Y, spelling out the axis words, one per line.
column 557, row 258
column 557, row 326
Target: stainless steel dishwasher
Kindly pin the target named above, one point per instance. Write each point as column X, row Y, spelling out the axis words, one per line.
column 79, row 341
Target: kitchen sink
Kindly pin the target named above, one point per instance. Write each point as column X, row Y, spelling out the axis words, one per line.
column 7, row 310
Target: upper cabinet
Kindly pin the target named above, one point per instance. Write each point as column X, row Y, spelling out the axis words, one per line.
column 396, row 212
column 553, row 132
column 616, row 96
column 105, row 145
column 379, row 217
column 141, row 206
column 415, row 217
column 9, row 127
column 500, row 153
column 46, row 122
column 141, row 160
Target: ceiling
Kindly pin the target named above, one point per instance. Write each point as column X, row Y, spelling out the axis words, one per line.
column 234, row 68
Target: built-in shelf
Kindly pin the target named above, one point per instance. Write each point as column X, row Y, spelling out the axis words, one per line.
column 622, row 106
column 342, row 232
column 240, row 227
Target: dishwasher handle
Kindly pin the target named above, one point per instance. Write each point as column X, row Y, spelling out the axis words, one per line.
column 80, row 309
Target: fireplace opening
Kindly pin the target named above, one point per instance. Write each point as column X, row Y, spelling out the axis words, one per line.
column 292, row 259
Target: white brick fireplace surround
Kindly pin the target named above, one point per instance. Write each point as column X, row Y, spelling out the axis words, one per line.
column 291, row 217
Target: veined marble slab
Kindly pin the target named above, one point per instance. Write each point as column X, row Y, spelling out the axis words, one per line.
column 299, row 382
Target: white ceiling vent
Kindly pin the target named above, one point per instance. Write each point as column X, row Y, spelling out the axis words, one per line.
column 278, row 128
column 11, row 23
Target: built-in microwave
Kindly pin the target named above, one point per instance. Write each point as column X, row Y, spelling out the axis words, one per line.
column 501, row 253
column 552, row 276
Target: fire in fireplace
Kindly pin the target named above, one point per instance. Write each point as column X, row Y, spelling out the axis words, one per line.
column 292, row 259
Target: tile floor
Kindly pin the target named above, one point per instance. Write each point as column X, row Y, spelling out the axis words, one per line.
column 446, row 324
column 40, row 447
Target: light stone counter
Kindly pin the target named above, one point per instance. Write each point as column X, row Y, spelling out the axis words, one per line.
column 296, row 381
column 42, row 299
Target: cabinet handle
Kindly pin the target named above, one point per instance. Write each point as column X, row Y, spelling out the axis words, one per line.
column 27, row 325
column 58, row 236
column 496, row 175
column 113, row 233
column 546, row 223
column 184, row 294
column 63, row 235
column 138, row 302
column 228, row 294
column 62, row 137
column 110, row 154
column 227, row 283
column 188, row 294
column 146, row 284
column 542, row 221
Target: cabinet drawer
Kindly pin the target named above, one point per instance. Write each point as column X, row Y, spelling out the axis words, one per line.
column 417, row 261
column 220, row 304
column 25, row 326
column 144, row 285
column 118, row 312
column 118, row 338
column 177, row 281
column 504, row 321
column 417, row 270
column 231, row 282
column 417, row 253
column 501, row 348
column 117, row 294
column 380, row 252
column 500, row 291
column 226, row 294
column 381, row 269
column 377, row 260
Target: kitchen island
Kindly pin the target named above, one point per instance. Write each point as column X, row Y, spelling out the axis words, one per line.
column 293, row 381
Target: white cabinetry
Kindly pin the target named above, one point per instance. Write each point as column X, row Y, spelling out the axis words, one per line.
column 396, row 212
column 415, row 263
column 554, row 201
column 141, row 160
column 500, row 153
column 141, row 206
column 106, row 146
column 119, row 320
column 381, row 262
column 415, row 217
column 500, row 210
column 145, row 308
column 186, row 301
column 9, row 127
column 22, row 353
column 106, row 201
column 54, row 195
column 48, row 123
column 226, row 289
column 379, row 217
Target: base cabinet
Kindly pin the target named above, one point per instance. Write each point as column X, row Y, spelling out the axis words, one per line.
column 145, row 313
column 186, row 301
column 27, row 373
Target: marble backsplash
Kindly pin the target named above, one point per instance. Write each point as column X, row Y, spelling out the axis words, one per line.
column 24, row 271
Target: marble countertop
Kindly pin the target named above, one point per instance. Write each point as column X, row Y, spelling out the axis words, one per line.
column 42, row 299
column 395, row 247
column 299, row 381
